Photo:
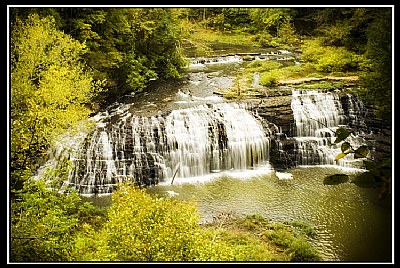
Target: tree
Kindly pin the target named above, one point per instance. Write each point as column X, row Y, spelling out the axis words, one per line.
column 50, row 90
column 157, row 39
column 127, row 46
column 43, row 223
column 377, row 79
column 270, row 19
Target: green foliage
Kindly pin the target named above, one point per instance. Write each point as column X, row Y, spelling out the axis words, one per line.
column 287, row 32
column 255, row 238
column 137, row 73
column 330, row 58
column 378, row 174
column 302, row 228
column 49, row 89
column 301, row 250
column 157, row 35
column 127, row 46
column 322, row 85
column 142, row 228
column 377, row 78
column 245, row 246
column 295, row 244
column 268, row 79
column 270, row 19
column 43, row 223
column 254, row 221
column 341, row 134
column 343, row 26
column 271, row 77
column 228, row 19
column 262, row 66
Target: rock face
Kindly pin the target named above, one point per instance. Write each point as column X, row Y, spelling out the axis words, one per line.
column 275, row 110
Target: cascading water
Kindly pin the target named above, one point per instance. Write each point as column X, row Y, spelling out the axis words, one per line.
column 186, row 143
column 202, row 134
column 317, row 116
column 256, row 79
column 222, row 137
column 205, row 139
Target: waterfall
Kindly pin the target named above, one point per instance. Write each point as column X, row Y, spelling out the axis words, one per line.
column 185, row 143
column 256, row 79
column 317, row 116
column 207, row 139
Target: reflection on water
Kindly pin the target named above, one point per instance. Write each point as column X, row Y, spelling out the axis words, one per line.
column 351, row 223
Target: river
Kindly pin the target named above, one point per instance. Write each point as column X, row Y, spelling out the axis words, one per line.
column 351, row 223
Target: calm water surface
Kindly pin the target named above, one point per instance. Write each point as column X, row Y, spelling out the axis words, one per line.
column 351, row 223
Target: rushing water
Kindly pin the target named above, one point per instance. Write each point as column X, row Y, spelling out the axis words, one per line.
column 317, row 116
column 187, row 143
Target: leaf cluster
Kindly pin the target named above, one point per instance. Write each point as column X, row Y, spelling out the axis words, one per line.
column 50, row 89
column 378, row 174
column 43, row 223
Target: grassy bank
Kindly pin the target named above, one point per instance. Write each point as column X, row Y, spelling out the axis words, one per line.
column 254, row 238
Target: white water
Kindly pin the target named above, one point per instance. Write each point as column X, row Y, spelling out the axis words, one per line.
column 192, row 142
column 318, row 115
column 203, row 141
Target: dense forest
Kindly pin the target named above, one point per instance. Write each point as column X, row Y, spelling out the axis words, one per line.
column 68, row 62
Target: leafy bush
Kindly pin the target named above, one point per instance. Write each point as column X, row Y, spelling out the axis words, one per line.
column 337, row 59
column 43, row 223
column 141, row 227
column 265, row 39
column 263, row 66
column 268, row 78
column 330, row 58
column 247, row 247
column 302, row 251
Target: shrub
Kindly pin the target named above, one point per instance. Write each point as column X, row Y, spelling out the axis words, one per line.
column 268, row 79
column 263, row 66
column 330, row 58
column 43, row 223
column 337, row 59
column 302, row 251
column 143, row 228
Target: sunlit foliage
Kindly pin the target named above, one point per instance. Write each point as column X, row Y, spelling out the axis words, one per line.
column 50, row 88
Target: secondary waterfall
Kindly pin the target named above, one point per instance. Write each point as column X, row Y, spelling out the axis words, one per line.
column 317, row 116
column 185, row 143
